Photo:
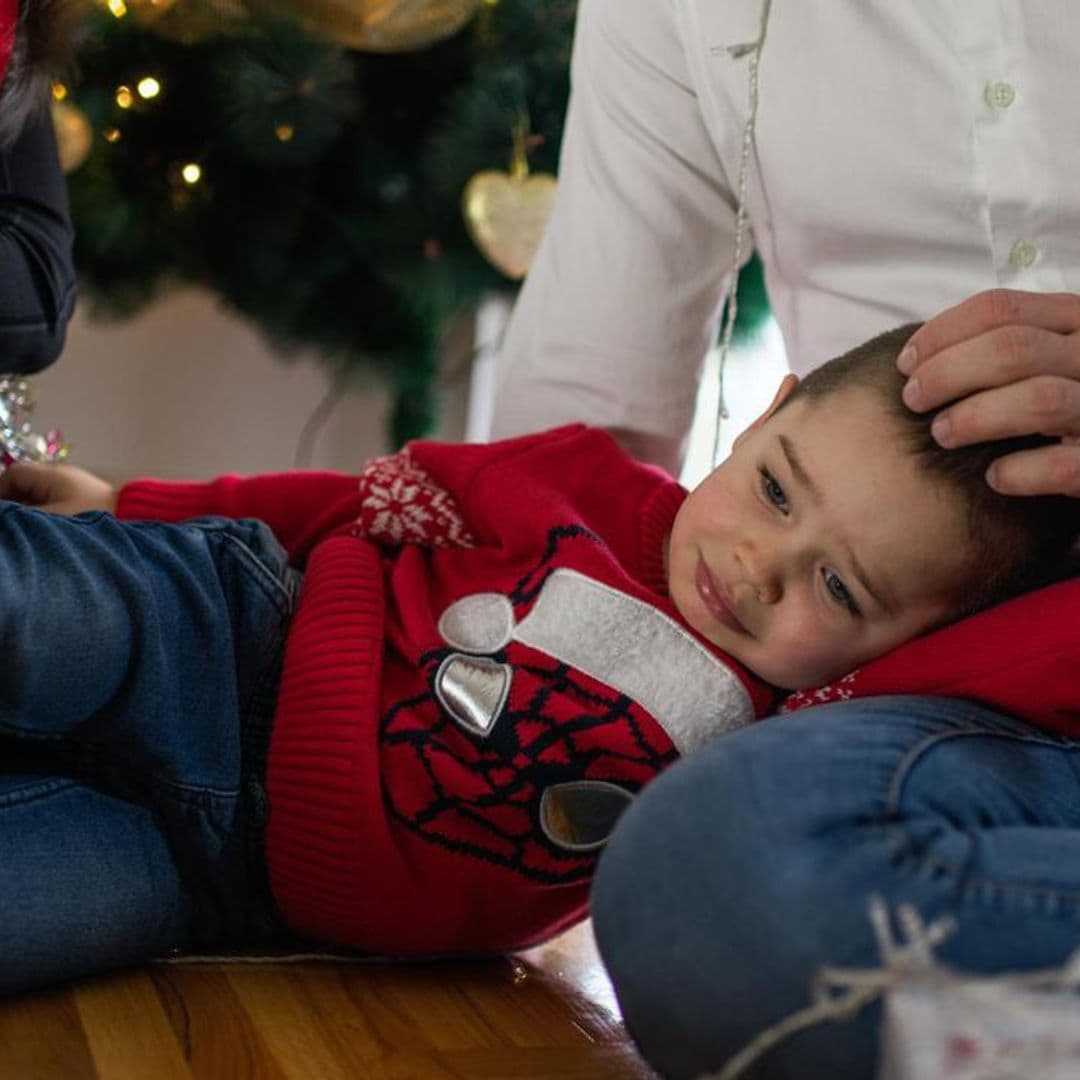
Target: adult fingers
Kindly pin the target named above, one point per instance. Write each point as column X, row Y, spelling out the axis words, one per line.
column 998, row 357
column 992, row 309
column 1049, row 470
column 1043, row 405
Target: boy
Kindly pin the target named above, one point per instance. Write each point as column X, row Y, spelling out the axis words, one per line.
column 494, row 647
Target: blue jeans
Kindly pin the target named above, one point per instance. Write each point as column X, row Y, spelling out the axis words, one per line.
column 140, row 667
column 742, row 870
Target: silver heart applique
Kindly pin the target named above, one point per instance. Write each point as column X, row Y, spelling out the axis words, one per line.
column 579, row 815
column 473, row 690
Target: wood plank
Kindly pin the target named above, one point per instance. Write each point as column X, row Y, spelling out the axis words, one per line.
column 128, row 1029
column 547, row 1063
column 547, row 1015
column 520, row 1003
column 215, row 1033
column 429, row 999
column 315, row 1028
column 41, row 1035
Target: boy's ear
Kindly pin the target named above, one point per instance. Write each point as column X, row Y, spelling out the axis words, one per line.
column 783, row 391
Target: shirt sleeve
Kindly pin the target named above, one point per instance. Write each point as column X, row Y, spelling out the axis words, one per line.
column 300, row 507
column 623, row 299
column 416, row 496
column 391, row 502
column 37, row 273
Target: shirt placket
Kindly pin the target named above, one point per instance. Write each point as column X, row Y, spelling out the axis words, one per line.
column 1007, row 134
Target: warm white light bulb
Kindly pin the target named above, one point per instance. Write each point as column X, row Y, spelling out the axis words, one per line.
column 148, row 87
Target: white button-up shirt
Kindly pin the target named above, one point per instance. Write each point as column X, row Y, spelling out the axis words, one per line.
column 907, row 155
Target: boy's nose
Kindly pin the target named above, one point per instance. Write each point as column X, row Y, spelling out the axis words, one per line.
column 761, row 571
column 769, row 592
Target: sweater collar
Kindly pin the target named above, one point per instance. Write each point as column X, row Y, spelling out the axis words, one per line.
column 657, row 517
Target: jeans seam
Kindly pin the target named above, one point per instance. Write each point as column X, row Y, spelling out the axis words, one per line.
column 272, row 585
column 35, row 790
column 284, row 600
column 908, row 761
column 934, row 861
column 1003, row 888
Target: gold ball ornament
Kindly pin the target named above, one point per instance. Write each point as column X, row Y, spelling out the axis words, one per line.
column 506, row 214
column 383, row 25
column 74, row 136
column 188, row 21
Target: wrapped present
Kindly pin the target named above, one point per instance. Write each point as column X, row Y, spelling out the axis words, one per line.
column 939, row 1022
column 967, row 1027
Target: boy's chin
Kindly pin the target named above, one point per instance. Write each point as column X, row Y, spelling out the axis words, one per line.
column 787, row 680
column 780, row 678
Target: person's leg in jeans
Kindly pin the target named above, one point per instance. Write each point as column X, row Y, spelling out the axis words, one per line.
column 139, row 671
column 747, row 867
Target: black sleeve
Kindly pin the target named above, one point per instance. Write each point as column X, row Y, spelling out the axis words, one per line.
column 37, row 273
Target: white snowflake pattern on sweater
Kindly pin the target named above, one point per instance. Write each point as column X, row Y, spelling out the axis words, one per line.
column 841, row 690
column 401, row 504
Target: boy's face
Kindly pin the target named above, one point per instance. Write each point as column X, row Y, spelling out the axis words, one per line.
column 817, row 545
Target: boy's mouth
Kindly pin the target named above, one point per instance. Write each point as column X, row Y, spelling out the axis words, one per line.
column 715, row 599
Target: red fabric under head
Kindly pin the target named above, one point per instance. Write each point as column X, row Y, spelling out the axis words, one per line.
column 9, row 18
column 1021, row 657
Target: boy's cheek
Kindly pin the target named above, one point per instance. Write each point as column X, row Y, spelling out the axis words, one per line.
column 682, row 596
column 803, row 657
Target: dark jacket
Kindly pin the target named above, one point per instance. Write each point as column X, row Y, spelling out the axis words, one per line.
column 37, row 273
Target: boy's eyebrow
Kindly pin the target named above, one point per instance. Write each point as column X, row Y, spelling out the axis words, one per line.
column 804, row 479
column 860, row 573
column 797, row 470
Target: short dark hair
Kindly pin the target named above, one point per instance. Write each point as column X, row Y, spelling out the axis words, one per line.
column 1017, row 542
column 45, row 39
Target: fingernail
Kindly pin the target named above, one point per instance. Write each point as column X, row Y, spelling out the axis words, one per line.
column 906, row 360
column 941, row 429
column 912, row 394
column 993, row 476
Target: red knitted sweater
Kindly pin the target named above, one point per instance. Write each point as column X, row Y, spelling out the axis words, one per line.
column 482, row 668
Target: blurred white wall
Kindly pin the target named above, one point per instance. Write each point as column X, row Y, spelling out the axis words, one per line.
column 754, row 371
column 187, row 389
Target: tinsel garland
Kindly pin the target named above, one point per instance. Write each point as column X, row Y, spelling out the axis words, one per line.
column 18, row 441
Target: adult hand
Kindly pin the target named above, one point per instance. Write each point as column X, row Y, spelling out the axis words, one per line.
column 1010, row 362
column 60, row 489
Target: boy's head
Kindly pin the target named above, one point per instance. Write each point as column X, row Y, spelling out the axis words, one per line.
column 838, row 528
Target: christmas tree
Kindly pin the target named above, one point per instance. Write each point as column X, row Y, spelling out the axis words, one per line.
column 306, row 161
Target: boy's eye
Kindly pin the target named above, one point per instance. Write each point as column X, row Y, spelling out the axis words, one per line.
column 839, row 591
column 773, row 491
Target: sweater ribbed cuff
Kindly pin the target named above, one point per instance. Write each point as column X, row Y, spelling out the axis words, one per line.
column 157, row 500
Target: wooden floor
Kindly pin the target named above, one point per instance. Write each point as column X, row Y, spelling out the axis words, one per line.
column 547, row 1014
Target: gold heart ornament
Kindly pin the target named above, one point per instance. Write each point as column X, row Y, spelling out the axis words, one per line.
column 506, row 214
column 381, row 26
column 190, row 21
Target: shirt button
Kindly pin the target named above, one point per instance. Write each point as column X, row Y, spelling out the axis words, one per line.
column 1023, row 253
column 999, row 95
